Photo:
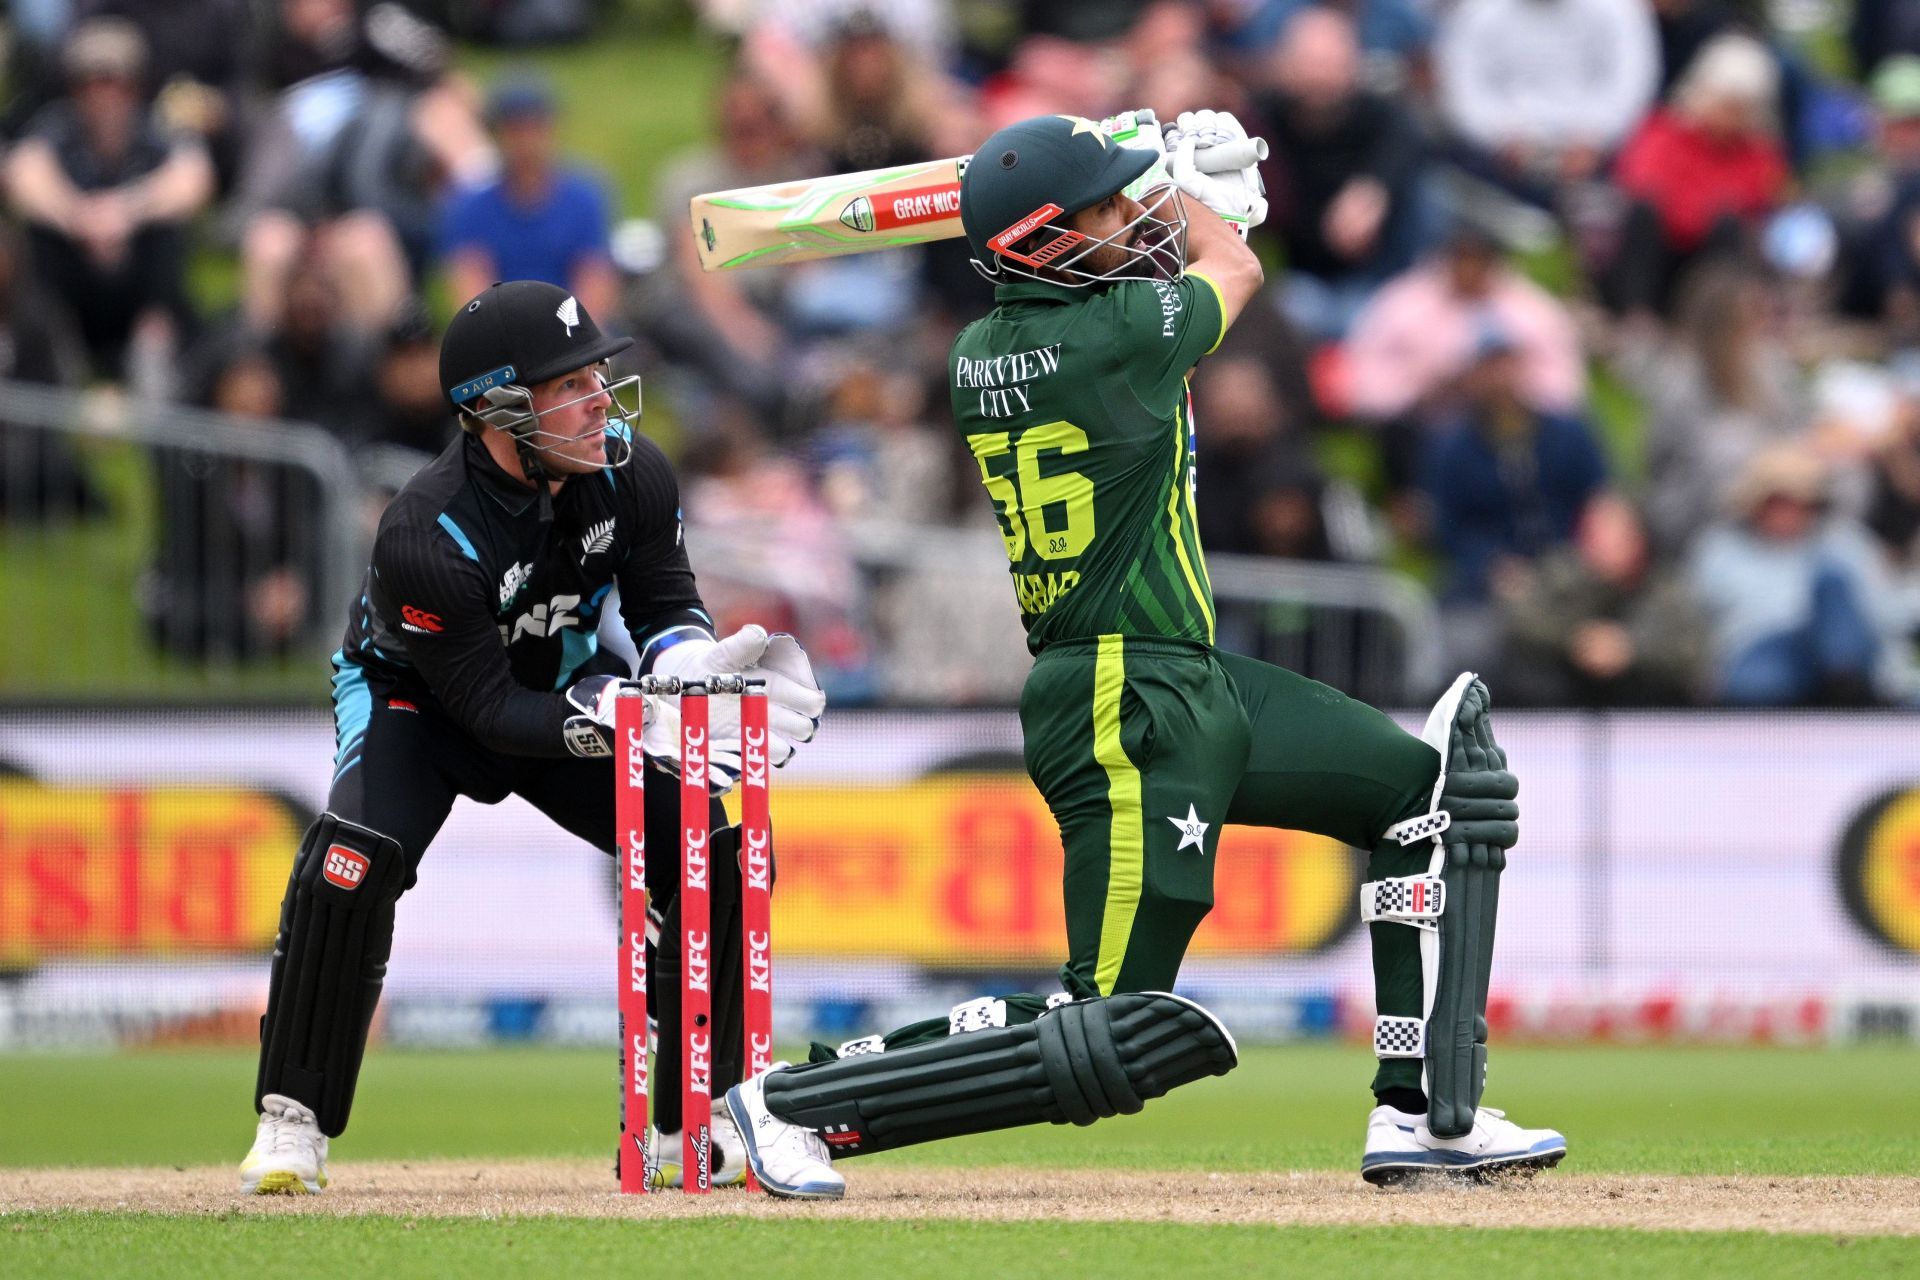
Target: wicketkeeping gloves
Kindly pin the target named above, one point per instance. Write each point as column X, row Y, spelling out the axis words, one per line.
column 794, row 703
column 794, row 700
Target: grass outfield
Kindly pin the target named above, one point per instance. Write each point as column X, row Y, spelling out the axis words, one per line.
column 1630, row 1114
column 157, row 1248
column 1624, row 1110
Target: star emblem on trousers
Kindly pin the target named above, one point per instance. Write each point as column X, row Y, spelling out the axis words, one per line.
column 1192, row 830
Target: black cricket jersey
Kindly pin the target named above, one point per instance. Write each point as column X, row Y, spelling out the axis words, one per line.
column 475, row 606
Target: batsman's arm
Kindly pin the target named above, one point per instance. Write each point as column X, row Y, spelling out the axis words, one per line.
column 1216, row 251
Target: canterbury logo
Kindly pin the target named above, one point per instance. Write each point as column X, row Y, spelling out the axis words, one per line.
column 569, row 313
column 598, row 538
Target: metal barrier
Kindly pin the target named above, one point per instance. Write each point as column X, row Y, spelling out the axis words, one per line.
column 168, row 554
column 937, row 605
column 163, row 553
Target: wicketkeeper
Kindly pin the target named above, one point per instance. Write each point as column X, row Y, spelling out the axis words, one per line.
column 470, row 669
column 1144, row 738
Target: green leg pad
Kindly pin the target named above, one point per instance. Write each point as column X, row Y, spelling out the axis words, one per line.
column 1481, row 797
column 1076, row 1063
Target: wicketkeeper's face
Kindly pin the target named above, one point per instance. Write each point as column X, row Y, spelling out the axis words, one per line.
column 572, row 411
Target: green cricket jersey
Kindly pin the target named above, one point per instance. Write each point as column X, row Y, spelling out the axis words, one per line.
column 1074, row 403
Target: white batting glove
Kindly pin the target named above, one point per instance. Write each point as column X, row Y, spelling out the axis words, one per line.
column 1239, row 196
column 1208, row 128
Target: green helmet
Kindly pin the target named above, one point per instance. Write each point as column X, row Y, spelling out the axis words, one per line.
column 1038, row 170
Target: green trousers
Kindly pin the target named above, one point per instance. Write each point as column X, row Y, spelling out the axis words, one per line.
column 1144, row 749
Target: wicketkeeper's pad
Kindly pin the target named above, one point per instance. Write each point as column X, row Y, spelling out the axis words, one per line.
column 1474, row 821
column 1078, row 1062
column 329, row 963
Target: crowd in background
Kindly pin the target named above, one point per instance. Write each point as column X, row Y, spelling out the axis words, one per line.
column 1602, row 315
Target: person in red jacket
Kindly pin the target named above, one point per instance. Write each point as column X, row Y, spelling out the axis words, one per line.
column 1701, row 171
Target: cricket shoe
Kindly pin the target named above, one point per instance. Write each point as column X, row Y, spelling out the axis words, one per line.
column 1400, row 1146
column 289, row 1156
column 728, row 1161
column 790, row 1160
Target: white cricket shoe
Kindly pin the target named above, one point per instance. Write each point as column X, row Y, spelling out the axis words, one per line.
column 1400, row 1146
column 728, row 1163
column 789, row 1160
column 289, row 1156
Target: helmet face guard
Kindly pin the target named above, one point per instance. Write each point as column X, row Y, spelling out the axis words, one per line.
column 510, row 408
column 1155, row 245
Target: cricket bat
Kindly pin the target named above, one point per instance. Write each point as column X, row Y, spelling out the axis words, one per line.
column 811, row 218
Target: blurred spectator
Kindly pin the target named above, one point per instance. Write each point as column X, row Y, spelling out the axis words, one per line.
column 1893, row 503
column 1883, row 278
column 1790, row 590
column 726, row 327
column 320, row 359
column 106, row 197
column 1718, row 389
column 1261, row 491
column 769, row 549
column 198, row 85
column 539, row 220
column 40, row 477
column 1597, row 624
column 409, row 406
column 1344, row 179
column 1419, row 333
column 1701, row 172
column 1882, row 29
column 1507, row 481
column 1394, row 36
column 369, row 124
column 240, row 539
column 1541, row 92
column 878, row 457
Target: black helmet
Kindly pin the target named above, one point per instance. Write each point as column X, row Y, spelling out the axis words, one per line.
column 512, row 338
column 1038, row 170
column 519, row 333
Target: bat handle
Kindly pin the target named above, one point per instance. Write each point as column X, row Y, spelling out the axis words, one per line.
column 1226, row 157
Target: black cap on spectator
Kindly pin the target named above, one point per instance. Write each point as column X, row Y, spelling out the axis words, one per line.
column 411, row 326
column 519, row 333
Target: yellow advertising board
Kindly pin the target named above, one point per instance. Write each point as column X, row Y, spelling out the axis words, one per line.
column 965, row 869
column 140, row 869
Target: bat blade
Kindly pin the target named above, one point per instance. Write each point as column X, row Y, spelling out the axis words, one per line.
column 785, row 222
column 812, row 218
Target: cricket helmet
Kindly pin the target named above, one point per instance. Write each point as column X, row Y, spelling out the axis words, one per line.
column 515, row 336
column 1030, row 176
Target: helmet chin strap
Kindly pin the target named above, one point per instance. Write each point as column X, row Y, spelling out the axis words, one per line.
column 536, row 472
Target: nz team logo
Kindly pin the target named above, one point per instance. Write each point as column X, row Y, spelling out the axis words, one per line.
column 568, row 313
column 597, row 539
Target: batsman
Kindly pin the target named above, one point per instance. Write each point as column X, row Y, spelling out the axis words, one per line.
column 1143, row 737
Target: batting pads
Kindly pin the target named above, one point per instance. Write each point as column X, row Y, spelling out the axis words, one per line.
column 1078, row 1062
column 1474, row 821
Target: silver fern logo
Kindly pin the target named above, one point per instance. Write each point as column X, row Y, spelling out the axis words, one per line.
column 569, row 313
column 598, row 538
